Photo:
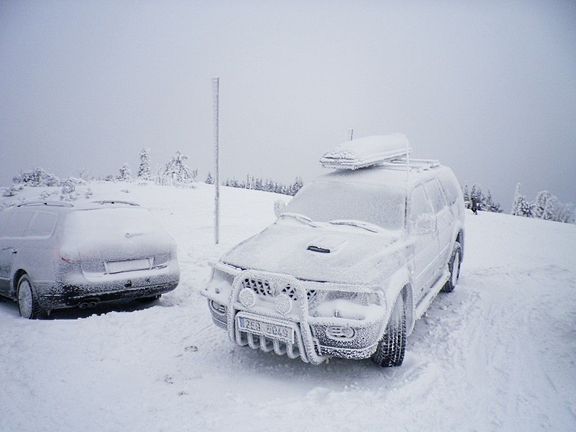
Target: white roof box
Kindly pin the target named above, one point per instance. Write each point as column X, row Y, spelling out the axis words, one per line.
column 367, row 151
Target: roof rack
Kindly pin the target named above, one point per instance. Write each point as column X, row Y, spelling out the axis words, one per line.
column 366, row 152
column 391, row 151
column 103, row 202
column 46, row 203
column 411, row 164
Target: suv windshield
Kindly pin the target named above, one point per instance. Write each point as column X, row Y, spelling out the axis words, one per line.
column 329, row 201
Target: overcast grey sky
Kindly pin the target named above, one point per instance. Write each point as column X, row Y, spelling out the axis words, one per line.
column 488, row 87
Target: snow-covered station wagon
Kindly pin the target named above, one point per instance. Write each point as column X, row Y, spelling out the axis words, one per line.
column 352, row 261
column 56, row 255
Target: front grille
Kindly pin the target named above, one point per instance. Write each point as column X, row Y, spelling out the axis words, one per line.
column 263, row 287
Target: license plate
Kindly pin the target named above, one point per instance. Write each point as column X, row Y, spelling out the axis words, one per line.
column 273, row 331
column 126, row 266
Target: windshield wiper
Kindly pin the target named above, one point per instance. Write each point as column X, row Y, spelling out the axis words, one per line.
column 359, row 224
column 300, row 218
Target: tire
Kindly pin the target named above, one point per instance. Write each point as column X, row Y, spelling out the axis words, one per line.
column 391, row 348
column 453, row 269
column 28, row 305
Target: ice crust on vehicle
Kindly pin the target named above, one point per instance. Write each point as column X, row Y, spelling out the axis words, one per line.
column 366, row 151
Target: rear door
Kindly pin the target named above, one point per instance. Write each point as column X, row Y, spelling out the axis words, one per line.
column 445, row 221
column 423, row 232
column 13, row 224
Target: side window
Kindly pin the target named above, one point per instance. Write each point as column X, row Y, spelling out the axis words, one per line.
column 450, row 186
column 419, row 204
column 42, row 225
column 436, row 195
column 15, row 222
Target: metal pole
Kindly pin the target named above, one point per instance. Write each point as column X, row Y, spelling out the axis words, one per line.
column 216, row 96
column 350, row 134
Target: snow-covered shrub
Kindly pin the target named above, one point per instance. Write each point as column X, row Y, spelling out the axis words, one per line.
column 177, row 171
column 68, row 191
column 144, row 172
column 37, row 177
column 12, row 190
column 124, row 173
column 209, row 179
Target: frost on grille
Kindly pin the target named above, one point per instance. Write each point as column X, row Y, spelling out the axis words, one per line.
column 263, row 288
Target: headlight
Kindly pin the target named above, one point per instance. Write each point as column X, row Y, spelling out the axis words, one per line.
column 343, row 304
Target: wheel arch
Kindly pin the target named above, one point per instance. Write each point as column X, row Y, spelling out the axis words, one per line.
column 17, row 275
column 399, row 284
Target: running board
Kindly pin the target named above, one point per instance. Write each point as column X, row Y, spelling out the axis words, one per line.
column 429, row 298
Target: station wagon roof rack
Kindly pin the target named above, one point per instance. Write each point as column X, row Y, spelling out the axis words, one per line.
column 113, row 202
column 392, row 151
column 45, row 203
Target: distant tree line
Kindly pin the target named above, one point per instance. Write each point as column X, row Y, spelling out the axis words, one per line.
column 267, row 185
column 484, row 200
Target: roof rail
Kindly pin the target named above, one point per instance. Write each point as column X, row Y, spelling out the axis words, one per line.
column 46, row 203
column 411, row 164
column 103, row 202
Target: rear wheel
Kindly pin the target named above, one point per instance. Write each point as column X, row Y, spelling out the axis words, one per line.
column 391, row 348
column 453, row 268
column 27, row 300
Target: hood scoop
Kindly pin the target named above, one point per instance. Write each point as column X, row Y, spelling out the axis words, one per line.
column 313, row 248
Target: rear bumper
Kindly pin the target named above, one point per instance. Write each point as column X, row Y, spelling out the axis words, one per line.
column 67, row 295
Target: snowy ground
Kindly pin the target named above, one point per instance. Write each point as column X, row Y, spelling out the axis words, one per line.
column 498, row 354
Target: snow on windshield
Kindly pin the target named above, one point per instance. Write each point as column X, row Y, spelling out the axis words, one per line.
column 327, row 201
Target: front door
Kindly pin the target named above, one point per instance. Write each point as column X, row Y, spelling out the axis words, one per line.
column 424, row 234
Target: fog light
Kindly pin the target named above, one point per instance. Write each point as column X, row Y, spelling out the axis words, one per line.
column 283, row 304
column 247, row 298
column 217, row 307
column 340, row 333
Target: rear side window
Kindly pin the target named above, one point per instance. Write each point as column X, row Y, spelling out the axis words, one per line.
column 450, row 186
column 436, row 195
column 42, row 225
column 419, row 203
column 15, row 222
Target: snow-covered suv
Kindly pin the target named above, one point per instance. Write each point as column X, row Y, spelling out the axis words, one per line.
column 57, row 255
column 351, row 263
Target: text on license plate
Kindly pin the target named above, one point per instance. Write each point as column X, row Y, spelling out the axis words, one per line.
column 271, row 330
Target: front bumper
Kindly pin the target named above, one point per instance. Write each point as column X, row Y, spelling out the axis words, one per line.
column 313, row 339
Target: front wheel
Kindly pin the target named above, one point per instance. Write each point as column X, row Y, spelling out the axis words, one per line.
column 391, row 348
column 453, row 268
column 28, row 305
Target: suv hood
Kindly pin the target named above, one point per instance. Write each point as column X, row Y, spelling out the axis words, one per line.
column 325, row 253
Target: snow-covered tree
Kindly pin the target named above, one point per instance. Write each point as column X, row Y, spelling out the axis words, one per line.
column 466, row 194
column 124, row 173
column 544, row 206
column 176, row 170
column 144, row 172
column 209, row 179
column 520, row 205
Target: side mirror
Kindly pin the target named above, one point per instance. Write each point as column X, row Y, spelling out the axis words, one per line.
column 425, row 224
column 279, row 207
